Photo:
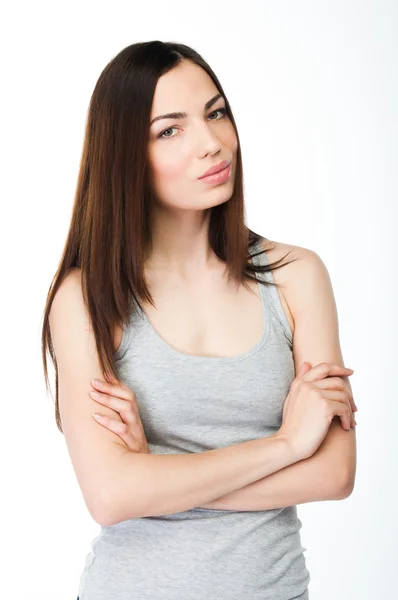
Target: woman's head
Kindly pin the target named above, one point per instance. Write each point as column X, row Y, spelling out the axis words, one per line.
column 182, row 147
column 127, row 172
column 146, row 163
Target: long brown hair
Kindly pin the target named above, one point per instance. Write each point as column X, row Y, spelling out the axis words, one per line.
column 109, row 233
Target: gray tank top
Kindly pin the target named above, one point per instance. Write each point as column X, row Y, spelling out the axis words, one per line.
column 193, row 404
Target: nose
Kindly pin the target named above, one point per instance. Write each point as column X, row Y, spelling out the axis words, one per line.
column 206, row 139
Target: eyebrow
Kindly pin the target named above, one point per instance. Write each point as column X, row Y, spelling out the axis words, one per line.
column 183, row 115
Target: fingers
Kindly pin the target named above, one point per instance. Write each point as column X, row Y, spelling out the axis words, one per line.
column 342, row 410
column 338, row 383
column 125, row 407
column 120, row 391
column 118, row 427
column 325, row 369
column 114, row 425
column 118, row 397
column 347, row 386
column 340, row 396
column 122, row 400
column 330, row 376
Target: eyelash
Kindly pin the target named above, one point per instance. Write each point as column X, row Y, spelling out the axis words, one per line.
column 223, row 111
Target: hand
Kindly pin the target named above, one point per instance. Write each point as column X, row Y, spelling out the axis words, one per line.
column 306, row 367
column 121, row 399
column 316, row 396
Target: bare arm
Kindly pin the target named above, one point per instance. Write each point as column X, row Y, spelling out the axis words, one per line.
column 119, row 484
column 330, row 473
column 323, row 476
column 141, row 485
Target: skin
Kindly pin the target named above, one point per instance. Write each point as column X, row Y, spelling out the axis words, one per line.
column 185, row 278
column 189, row 147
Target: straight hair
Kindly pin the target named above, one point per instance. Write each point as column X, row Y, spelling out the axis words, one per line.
column 109, row 234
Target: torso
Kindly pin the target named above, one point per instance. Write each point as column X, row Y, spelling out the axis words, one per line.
column 209, row 317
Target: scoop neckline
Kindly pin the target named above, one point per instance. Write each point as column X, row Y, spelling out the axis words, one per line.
column 216, row 359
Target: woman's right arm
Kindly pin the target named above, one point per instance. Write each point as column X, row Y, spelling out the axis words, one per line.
column 116, row 483
column 141, row 485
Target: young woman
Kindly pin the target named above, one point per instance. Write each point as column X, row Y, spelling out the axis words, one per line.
column 221, row 367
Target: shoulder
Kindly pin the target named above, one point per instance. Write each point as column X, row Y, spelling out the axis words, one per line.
column 69, row 297
column 68, row 315
column 296, row 279
column 68, row 294
column 302, row 258
column 94, row 450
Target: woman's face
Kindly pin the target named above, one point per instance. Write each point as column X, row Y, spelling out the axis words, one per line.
column 182, row 149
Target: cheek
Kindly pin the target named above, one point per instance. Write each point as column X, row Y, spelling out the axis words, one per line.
column 169, row 167
column 233, row 141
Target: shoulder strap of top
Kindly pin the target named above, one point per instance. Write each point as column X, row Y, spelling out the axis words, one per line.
column 270, row 292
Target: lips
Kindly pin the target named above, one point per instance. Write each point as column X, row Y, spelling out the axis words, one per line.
column 216, row 168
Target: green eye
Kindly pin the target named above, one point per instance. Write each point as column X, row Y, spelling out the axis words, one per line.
column 221, row 110
column 165, row 137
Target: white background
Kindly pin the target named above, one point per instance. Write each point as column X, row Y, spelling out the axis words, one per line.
column 313, row 87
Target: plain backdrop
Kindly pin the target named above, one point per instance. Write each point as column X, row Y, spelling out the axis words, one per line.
column 313, row 86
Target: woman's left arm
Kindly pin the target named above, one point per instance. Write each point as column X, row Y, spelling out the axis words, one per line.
column 329, row 474
column 326, row 475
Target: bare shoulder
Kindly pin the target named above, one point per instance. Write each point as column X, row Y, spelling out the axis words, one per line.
column 93, row 449
column 69, row 287
column 290, row 276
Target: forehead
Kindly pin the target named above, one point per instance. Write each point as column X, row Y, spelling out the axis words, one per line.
column 184, row 88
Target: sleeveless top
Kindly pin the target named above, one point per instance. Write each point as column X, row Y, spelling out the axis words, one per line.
column 193, row 404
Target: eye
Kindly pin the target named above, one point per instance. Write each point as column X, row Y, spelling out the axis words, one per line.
column 164, row 137
column 161, row 135
column 220, row 110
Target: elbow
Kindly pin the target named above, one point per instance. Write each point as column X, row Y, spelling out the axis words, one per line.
column 103, row 518
column 99, row 509
column 104, row 513
column 110, row 512
column 345, row 485
column 99, row 512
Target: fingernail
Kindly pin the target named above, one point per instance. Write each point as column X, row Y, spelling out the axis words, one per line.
column 97, row 416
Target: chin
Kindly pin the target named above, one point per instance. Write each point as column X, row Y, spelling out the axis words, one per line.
column 210, row 200
column 213, row 196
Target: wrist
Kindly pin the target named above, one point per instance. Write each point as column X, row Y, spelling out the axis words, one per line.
column 291, row 452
